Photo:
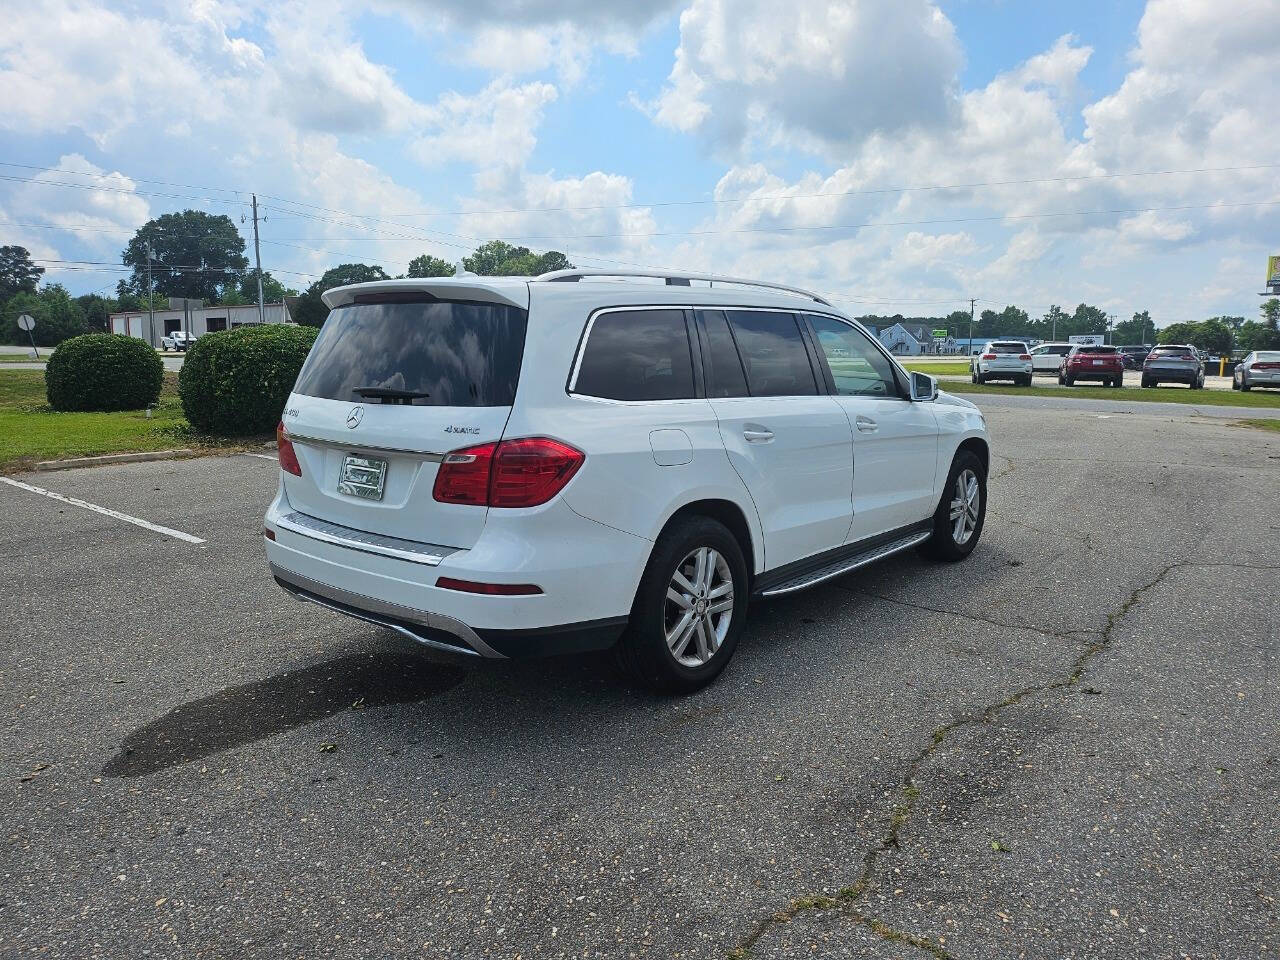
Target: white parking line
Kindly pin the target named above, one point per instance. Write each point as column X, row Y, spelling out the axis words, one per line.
column 176, row 534
column 262, row 456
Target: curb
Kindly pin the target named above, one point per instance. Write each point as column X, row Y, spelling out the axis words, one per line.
column 75, row 462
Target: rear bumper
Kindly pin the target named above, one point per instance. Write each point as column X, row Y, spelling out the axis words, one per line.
column 1094, row 373
column 588, row 574
column 444, row 633
column 1175, row 375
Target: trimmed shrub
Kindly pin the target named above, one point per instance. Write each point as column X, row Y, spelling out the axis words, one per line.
column 236, row 382
column 103, row 371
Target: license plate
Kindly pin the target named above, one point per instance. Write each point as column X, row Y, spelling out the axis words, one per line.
column 1099, row 363
column 362, row 477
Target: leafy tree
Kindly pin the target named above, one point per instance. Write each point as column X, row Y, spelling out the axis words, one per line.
column 57, row 316
column 1054, row 324
column 1132, row 331
column 429, row 266
column 197, row 255
column 126, row 299
column 97, row 311
column 1089, row 319
column 17, row 273
column 1271, row 313
column 311, row 311
column 1211, row 336
column 499, row 259
column 1257, row 336
column 273, row 291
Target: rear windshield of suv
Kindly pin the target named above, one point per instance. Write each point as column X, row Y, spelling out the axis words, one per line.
column 1267, row 356
column 1095, row 348
column 1170, row 351
column 432, row 353
column 1018, row 348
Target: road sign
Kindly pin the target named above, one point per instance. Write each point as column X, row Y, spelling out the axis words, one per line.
column 939, row 334
column 27, row 322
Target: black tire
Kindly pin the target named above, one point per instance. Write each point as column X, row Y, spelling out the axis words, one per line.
column 642, row 651
column 1195, row 383
column 1118, row 382
column 942, row 545
column 1150, row 383
column 1069, row 381
column 1244, row 385
column 1026, row 381
column 1062, row 381
column 979, row 378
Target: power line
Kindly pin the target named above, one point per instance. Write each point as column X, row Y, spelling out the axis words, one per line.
column 131, row 193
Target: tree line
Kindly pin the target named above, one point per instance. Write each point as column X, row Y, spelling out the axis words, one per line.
column 1216, row 335
column 199, row 255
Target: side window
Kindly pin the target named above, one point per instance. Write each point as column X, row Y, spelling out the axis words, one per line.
column 858, row 368
column 774, row 354
column 637, row 355
column 724, row 367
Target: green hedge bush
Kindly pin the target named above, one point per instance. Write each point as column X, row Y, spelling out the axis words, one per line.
column 103, row 371
column 236, row 382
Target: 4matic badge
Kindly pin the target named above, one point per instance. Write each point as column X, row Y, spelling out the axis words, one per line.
column 452, row 429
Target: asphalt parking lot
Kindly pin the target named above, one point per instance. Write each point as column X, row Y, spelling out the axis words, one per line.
column 1067, row 746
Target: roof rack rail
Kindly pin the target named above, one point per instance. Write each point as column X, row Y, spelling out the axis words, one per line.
column 673, row 279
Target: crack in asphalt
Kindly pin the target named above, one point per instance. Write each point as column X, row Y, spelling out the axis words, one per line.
column 913, row 605
column 846, row 898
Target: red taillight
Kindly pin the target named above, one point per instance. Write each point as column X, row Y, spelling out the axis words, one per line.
column 514, row 473
column 1025, row 356
column 464, row 476
column 1265, row 366
column 284, row 450
column 988, row 356
column 489, row 589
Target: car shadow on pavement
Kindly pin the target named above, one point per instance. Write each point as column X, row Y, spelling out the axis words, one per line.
column 239, row 715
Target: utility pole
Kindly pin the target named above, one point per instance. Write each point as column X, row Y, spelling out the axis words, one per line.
column 971, row 303
column 151, row 307
column 257, row 256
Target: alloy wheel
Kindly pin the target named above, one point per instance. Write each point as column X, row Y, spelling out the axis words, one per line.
column 964, row 507
column 699, row 606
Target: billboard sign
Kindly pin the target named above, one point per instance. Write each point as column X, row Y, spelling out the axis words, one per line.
column 1273, row 272
column 1091, row 339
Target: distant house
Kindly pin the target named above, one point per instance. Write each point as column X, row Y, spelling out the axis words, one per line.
column 198, row 322
column 908, row 339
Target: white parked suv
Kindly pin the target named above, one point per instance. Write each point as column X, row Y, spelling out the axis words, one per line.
column 1003, row 360
column 514, row 466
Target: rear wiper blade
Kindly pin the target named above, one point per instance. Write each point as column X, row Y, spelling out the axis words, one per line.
column 389, row 393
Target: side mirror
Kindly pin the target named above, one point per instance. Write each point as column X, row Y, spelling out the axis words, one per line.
column 923, row 387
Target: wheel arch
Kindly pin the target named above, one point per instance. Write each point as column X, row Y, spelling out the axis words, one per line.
column 979, row 447
column 728, row 513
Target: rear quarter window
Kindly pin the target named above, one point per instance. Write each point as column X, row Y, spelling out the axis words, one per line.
column 636, row 355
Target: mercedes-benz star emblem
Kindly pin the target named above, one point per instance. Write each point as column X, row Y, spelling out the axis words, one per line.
column 354, row 417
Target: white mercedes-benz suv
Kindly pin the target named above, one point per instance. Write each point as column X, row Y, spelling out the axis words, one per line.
column 510, row 466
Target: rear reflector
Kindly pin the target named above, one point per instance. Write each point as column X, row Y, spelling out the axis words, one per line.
column 489, row 589
column 287, row 455
column 268, row 533
column 514, row 473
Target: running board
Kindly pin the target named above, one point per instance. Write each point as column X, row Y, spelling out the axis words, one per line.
column 845, row 564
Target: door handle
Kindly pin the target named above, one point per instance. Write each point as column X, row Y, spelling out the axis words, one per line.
column 754, row 433
column 866, row 424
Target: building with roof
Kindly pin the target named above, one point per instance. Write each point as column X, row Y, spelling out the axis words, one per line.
column 151, row 327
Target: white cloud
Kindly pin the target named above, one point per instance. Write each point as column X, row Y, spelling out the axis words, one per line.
column 809, row 73
column 495, row 128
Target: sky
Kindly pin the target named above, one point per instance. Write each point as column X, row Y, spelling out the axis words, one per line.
column 901, row 156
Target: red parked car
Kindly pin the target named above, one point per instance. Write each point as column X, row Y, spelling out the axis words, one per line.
column 1092, row 362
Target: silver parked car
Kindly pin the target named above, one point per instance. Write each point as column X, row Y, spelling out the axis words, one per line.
column 1259, row 369
column 1176, row 362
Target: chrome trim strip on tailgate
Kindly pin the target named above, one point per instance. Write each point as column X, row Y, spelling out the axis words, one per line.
column 384, row 613
column 411, row 550
column 424, row 455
